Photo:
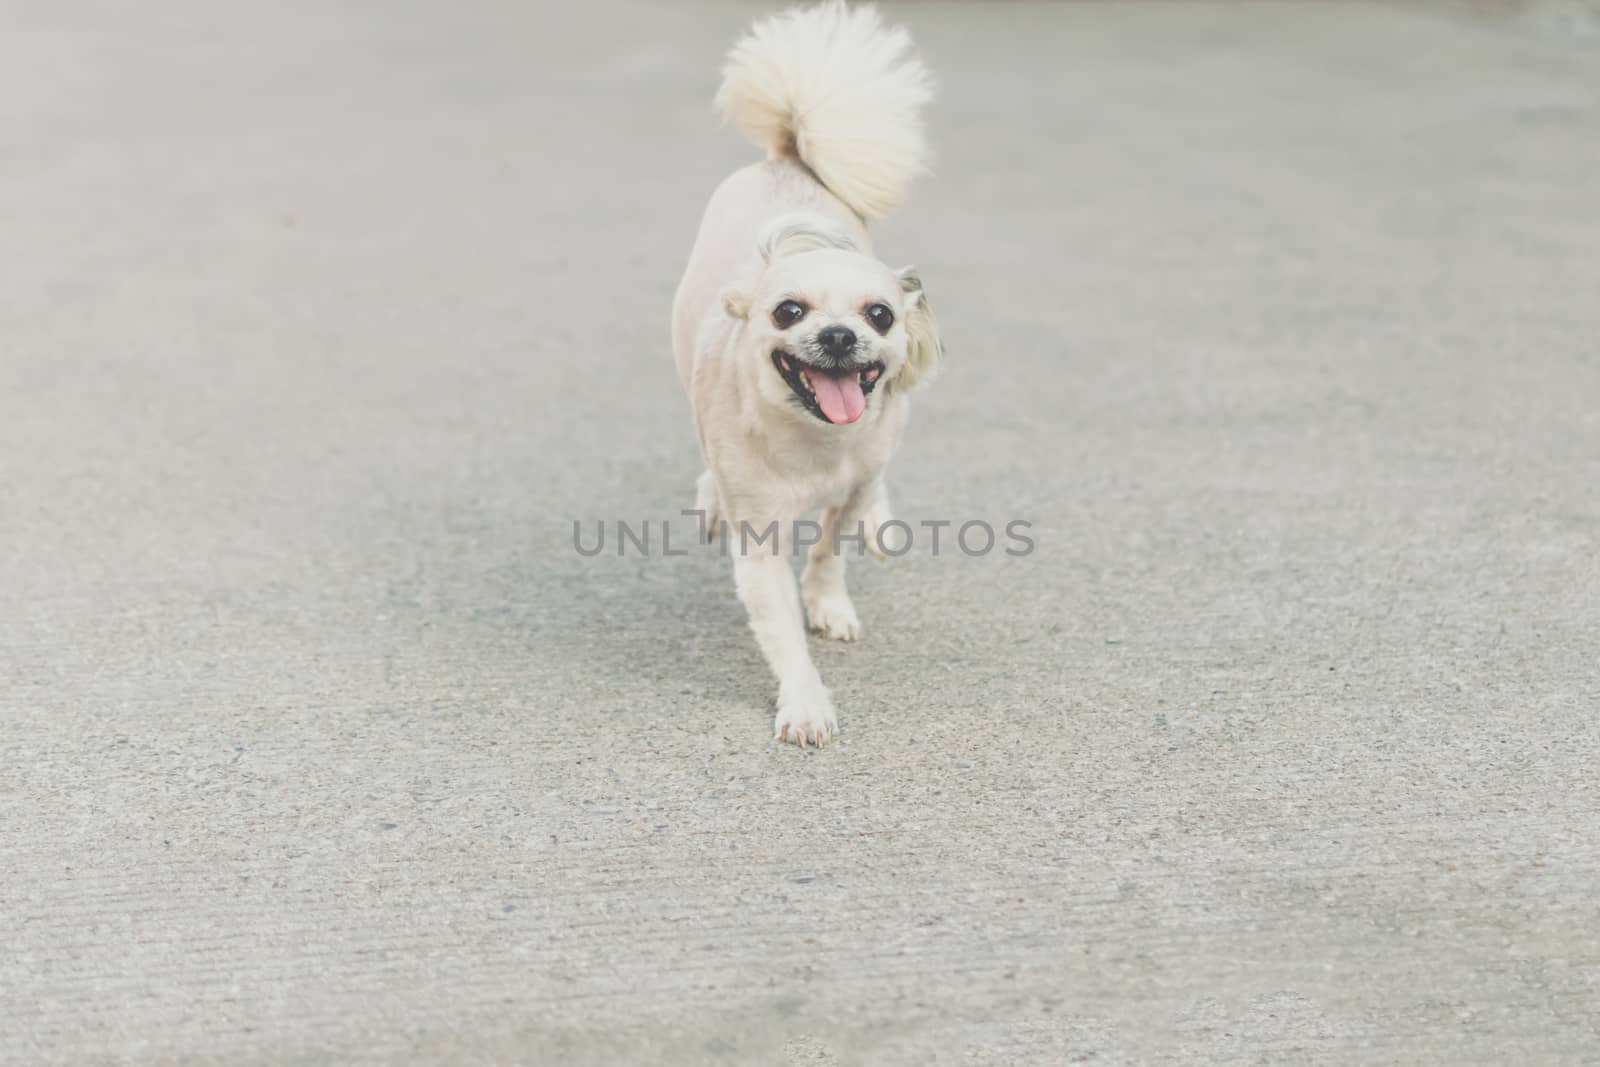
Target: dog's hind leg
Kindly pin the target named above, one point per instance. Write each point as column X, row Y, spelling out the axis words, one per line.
column 708, row 502
column 822, row 586
column 876, row 516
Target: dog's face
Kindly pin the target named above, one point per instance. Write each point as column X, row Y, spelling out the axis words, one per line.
column 831, row 326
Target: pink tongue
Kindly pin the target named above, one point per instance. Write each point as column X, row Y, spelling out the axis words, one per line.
column 839, row 396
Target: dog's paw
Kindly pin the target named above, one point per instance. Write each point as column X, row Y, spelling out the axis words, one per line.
column 805, row 715
column 832, row 615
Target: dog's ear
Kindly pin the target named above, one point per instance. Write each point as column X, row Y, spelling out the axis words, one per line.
column 923, row 348
column 736, row 303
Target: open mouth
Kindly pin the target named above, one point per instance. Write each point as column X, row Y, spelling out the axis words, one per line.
column 836, row 395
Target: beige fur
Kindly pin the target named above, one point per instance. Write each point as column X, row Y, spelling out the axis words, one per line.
column 831, row 85
column 834, row 95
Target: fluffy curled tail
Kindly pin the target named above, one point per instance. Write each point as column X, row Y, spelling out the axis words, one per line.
column 835, row 87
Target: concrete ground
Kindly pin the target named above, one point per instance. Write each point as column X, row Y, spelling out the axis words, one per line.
column 320, row 324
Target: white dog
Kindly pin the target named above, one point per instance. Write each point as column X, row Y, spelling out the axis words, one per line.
column 796, row 344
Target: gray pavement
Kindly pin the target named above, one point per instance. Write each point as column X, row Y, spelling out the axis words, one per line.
column 319, row 325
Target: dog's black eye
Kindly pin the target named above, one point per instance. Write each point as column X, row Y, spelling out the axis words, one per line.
column 880, row 317
column 788, row 313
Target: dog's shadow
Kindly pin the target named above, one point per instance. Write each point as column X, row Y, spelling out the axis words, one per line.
column 665, row 629
column 648, row 636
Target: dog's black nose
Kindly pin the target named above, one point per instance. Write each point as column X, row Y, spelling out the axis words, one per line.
column 836, row 340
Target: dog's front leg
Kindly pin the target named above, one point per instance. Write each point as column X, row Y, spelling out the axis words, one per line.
column 766, row 586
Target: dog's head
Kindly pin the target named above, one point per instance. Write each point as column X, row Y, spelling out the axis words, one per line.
column 832, row 324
